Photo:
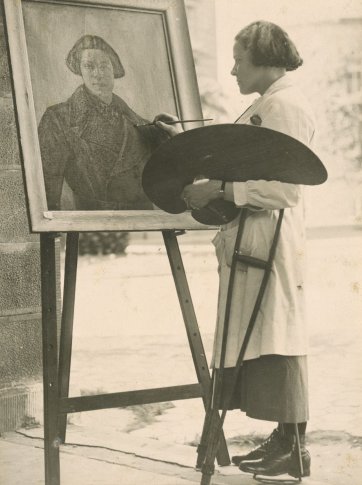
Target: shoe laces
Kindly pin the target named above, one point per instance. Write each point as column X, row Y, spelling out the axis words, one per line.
column 275, row 436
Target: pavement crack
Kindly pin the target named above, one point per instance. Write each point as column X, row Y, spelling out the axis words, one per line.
column 100, row 447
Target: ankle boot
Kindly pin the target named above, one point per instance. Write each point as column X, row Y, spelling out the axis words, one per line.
column 272, row 462
column 268, row 446
column 285, row 460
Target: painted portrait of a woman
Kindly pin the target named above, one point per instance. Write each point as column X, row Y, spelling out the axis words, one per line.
column 92, row 142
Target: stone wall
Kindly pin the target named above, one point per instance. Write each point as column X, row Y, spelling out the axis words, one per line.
column 20, row 319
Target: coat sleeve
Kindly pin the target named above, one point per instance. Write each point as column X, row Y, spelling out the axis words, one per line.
column 263, row 194
column 291, row 119
column 55, row 154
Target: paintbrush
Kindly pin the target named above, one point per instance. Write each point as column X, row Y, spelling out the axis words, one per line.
column 173, row 122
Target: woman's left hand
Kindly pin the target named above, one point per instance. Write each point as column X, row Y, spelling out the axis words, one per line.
column 199, row 194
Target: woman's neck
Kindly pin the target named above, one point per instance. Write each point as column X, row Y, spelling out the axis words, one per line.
column 271, row 75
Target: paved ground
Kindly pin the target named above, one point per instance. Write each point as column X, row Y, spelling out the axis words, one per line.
column 155, row 444
column 88, row 465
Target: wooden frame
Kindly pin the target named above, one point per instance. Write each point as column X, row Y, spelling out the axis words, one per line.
column 33, row 49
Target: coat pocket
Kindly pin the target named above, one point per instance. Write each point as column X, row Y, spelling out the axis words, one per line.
column 224, row 243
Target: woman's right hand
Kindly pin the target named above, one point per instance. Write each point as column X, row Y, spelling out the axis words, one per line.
column 161, row 121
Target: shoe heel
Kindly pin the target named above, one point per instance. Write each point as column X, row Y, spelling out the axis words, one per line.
column 294, row 469
column 295, row 473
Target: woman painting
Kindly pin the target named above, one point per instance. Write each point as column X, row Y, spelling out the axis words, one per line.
column 272, row 384
column 91, row 141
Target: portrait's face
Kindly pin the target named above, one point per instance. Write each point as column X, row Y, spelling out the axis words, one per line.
column 248, row 76
column 97, row 73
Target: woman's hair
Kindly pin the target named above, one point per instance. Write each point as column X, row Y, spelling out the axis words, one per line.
column 93, row 42
column 269, row 46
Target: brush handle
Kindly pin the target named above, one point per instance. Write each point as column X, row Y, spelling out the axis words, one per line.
column 175, row 122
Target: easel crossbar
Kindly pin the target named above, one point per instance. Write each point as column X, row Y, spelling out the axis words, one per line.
column 120, row 399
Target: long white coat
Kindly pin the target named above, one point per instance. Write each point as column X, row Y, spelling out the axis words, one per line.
column 280, row 327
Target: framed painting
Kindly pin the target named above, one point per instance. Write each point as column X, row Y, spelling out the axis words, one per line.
column 89, row 78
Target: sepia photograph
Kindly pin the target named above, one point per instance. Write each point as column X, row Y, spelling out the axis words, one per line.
column 180, row 242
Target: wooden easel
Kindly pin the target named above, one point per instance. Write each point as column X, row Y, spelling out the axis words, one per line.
column 56, row 371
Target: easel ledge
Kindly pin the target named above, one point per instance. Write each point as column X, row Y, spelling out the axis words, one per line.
column 56, row 372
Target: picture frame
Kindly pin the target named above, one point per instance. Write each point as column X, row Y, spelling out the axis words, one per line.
column 154, row 73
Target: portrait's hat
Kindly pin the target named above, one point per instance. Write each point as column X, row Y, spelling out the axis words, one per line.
column 93, row 42
column 229, row 152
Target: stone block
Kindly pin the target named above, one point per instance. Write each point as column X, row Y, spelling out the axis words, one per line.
column 21, row 354
column 9, row 145
column 20, row 406
column 19, row 279
column 5, row 84
column 14, row 225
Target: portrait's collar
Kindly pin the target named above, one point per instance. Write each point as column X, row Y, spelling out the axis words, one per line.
column 97, row 101
column 79, row 106
column 82, row 101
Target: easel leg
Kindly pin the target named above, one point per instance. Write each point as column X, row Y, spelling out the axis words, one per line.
column 202, row 447
column 192, row 329
column 66, row 334
column 50, row 358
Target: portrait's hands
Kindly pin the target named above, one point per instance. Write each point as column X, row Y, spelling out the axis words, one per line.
column 162, row 119
column 200, row 193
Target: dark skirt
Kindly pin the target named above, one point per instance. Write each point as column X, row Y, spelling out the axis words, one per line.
column 271, row 388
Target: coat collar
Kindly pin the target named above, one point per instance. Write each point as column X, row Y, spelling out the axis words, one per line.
column 82, row 102
column 281, row 83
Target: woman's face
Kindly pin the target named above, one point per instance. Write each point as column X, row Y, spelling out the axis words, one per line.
column 248, row 76
column 97, row 73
